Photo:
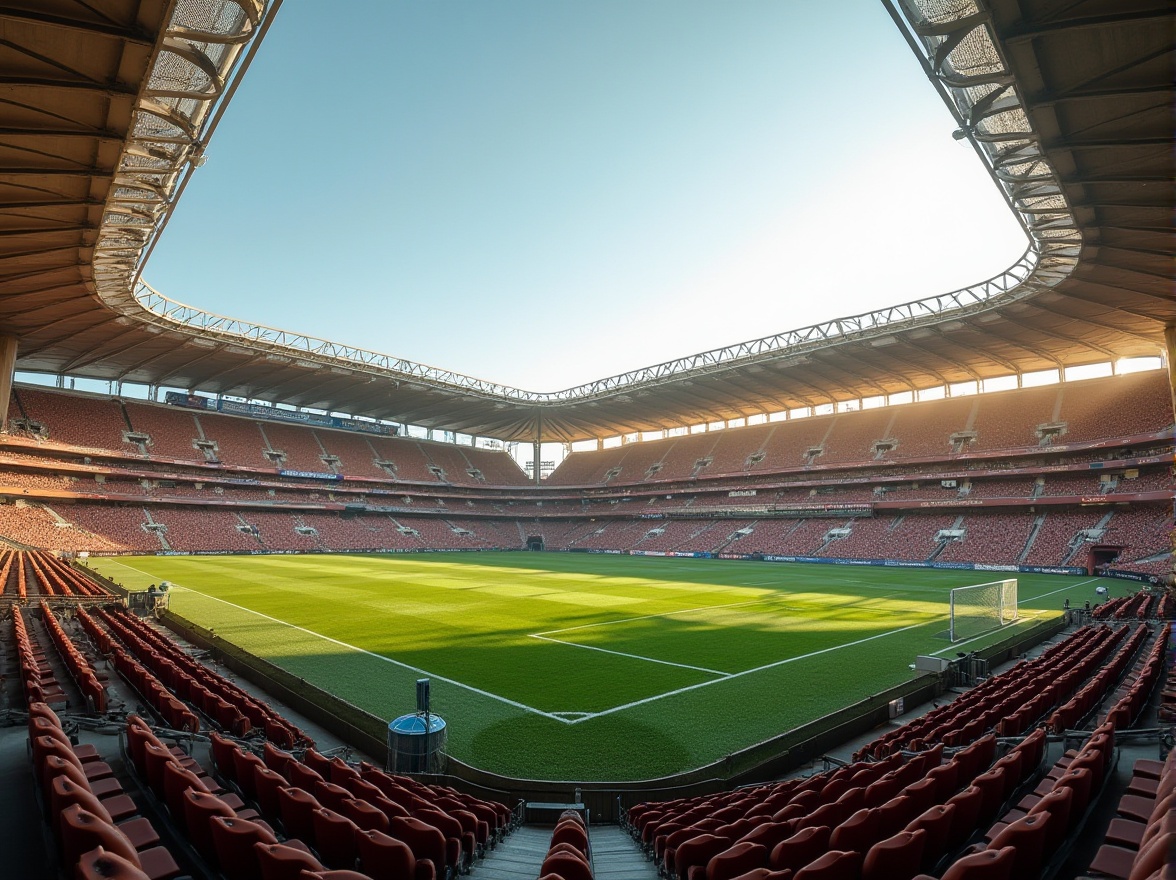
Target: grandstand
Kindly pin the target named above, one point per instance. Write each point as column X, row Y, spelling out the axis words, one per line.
column 874, row 439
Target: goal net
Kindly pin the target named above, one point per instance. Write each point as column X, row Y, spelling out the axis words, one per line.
column 980, row 608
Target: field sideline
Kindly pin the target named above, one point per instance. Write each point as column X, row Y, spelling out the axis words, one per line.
column 576, row 666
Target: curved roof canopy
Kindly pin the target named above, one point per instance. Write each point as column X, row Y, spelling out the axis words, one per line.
column 103, row 116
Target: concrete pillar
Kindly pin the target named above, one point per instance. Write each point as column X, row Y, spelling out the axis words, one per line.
column 1170, row 342
column 8, row 345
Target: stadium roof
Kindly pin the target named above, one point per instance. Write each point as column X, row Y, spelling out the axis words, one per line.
column 103, row 116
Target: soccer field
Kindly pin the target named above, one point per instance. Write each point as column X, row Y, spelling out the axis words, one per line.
column 576, row 666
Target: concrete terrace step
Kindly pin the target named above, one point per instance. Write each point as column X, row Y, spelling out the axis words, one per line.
column 519, row 857
column 616, row 856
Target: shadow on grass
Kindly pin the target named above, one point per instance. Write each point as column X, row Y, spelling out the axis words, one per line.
column 522, row 747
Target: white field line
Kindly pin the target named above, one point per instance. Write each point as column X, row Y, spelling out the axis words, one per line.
column 1063, row 589
column 630, row 656
column 108, row 560
column 1016, row 622
column 955, row 646
column 545, row 635
column 551, row 632
column 682, row 690
column 587, row 716
column 415, row 669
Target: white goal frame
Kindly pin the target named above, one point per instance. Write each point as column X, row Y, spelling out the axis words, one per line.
column 1004, row 606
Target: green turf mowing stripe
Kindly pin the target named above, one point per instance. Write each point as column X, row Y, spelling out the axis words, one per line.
column 799, row 640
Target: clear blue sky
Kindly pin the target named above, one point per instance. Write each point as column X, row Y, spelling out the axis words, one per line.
column 545, row 193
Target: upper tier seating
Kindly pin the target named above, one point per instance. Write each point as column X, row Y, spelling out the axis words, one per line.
column 1118, row 406
column 410, row 463
column 355, row 452
column 172, row 430
column 73, row 419
column 299, row 445
column 853, row 434
column 121, row 526
column 239, row 441
column 990, row 538
column 1053, row 541
column 996, row 421
column 33, row 524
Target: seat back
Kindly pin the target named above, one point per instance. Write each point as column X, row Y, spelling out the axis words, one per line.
column 334, row 838
column 98, row 864
column 383, row 857
column 801, row 848
column 895, row 858
column 199, row 807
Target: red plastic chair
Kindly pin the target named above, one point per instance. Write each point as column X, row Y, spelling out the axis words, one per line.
column 98, row 864
column 966, row 805
column 199, row 807
column 83, row 831
column 334, row 838
column 385, row 858
column 801, row 848
column 989, row 864
column 1027, row 837
column 280, row 862
column 895, row 858
column 425, row 841
column 566, row 866
column 857, row 833
column 244, row 764
column 833, row 865
column 735, row 860
column 895, row 815
column 768, row 834
column 939, row 824
column 296, row 807
column 696, row 853
column 233, row 840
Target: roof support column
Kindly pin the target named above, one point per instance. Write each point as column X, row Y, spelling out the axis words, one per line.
column 1170, row 342
column 536, row 449
column 8, row 345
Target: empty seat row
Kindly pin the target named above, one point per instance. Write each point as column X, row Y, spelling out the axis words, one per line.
column 87, row 806
column 37, row 675
column 1037, row 825
column 1139, row 607
column 1092, row 693
column 83, row 674
column 1009, row 702
column 912, row 812
column 1141, row 839
column 344, row 811
column 225, row 703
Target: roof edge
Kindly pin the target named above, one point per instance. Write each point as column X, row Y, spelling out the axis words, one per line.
column 959, row 54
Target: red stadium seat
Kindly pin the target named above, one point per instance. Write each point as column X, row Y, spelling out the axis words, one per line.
column 895, row 858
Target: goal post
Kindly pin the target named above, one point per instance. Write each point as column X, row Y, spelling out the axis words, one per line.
column 980, row 608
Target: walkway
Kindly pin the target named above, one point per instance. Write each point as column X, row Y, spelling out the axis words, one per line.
column 615, row 855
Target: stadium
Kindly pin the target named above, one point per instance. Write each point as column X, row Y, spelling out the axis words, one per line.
column 885, row 596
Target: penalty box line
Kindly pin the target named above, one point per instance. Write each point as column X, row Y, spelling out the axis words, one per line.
column 733, row 675
column 545, row 636
column 416, row 669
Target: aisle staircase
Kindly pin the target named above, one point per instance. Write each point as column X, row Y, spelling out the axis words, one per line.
column 615, row 855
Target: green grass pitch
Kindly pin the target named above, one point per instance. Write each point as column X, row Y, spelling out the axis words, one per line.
column 585, row 667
